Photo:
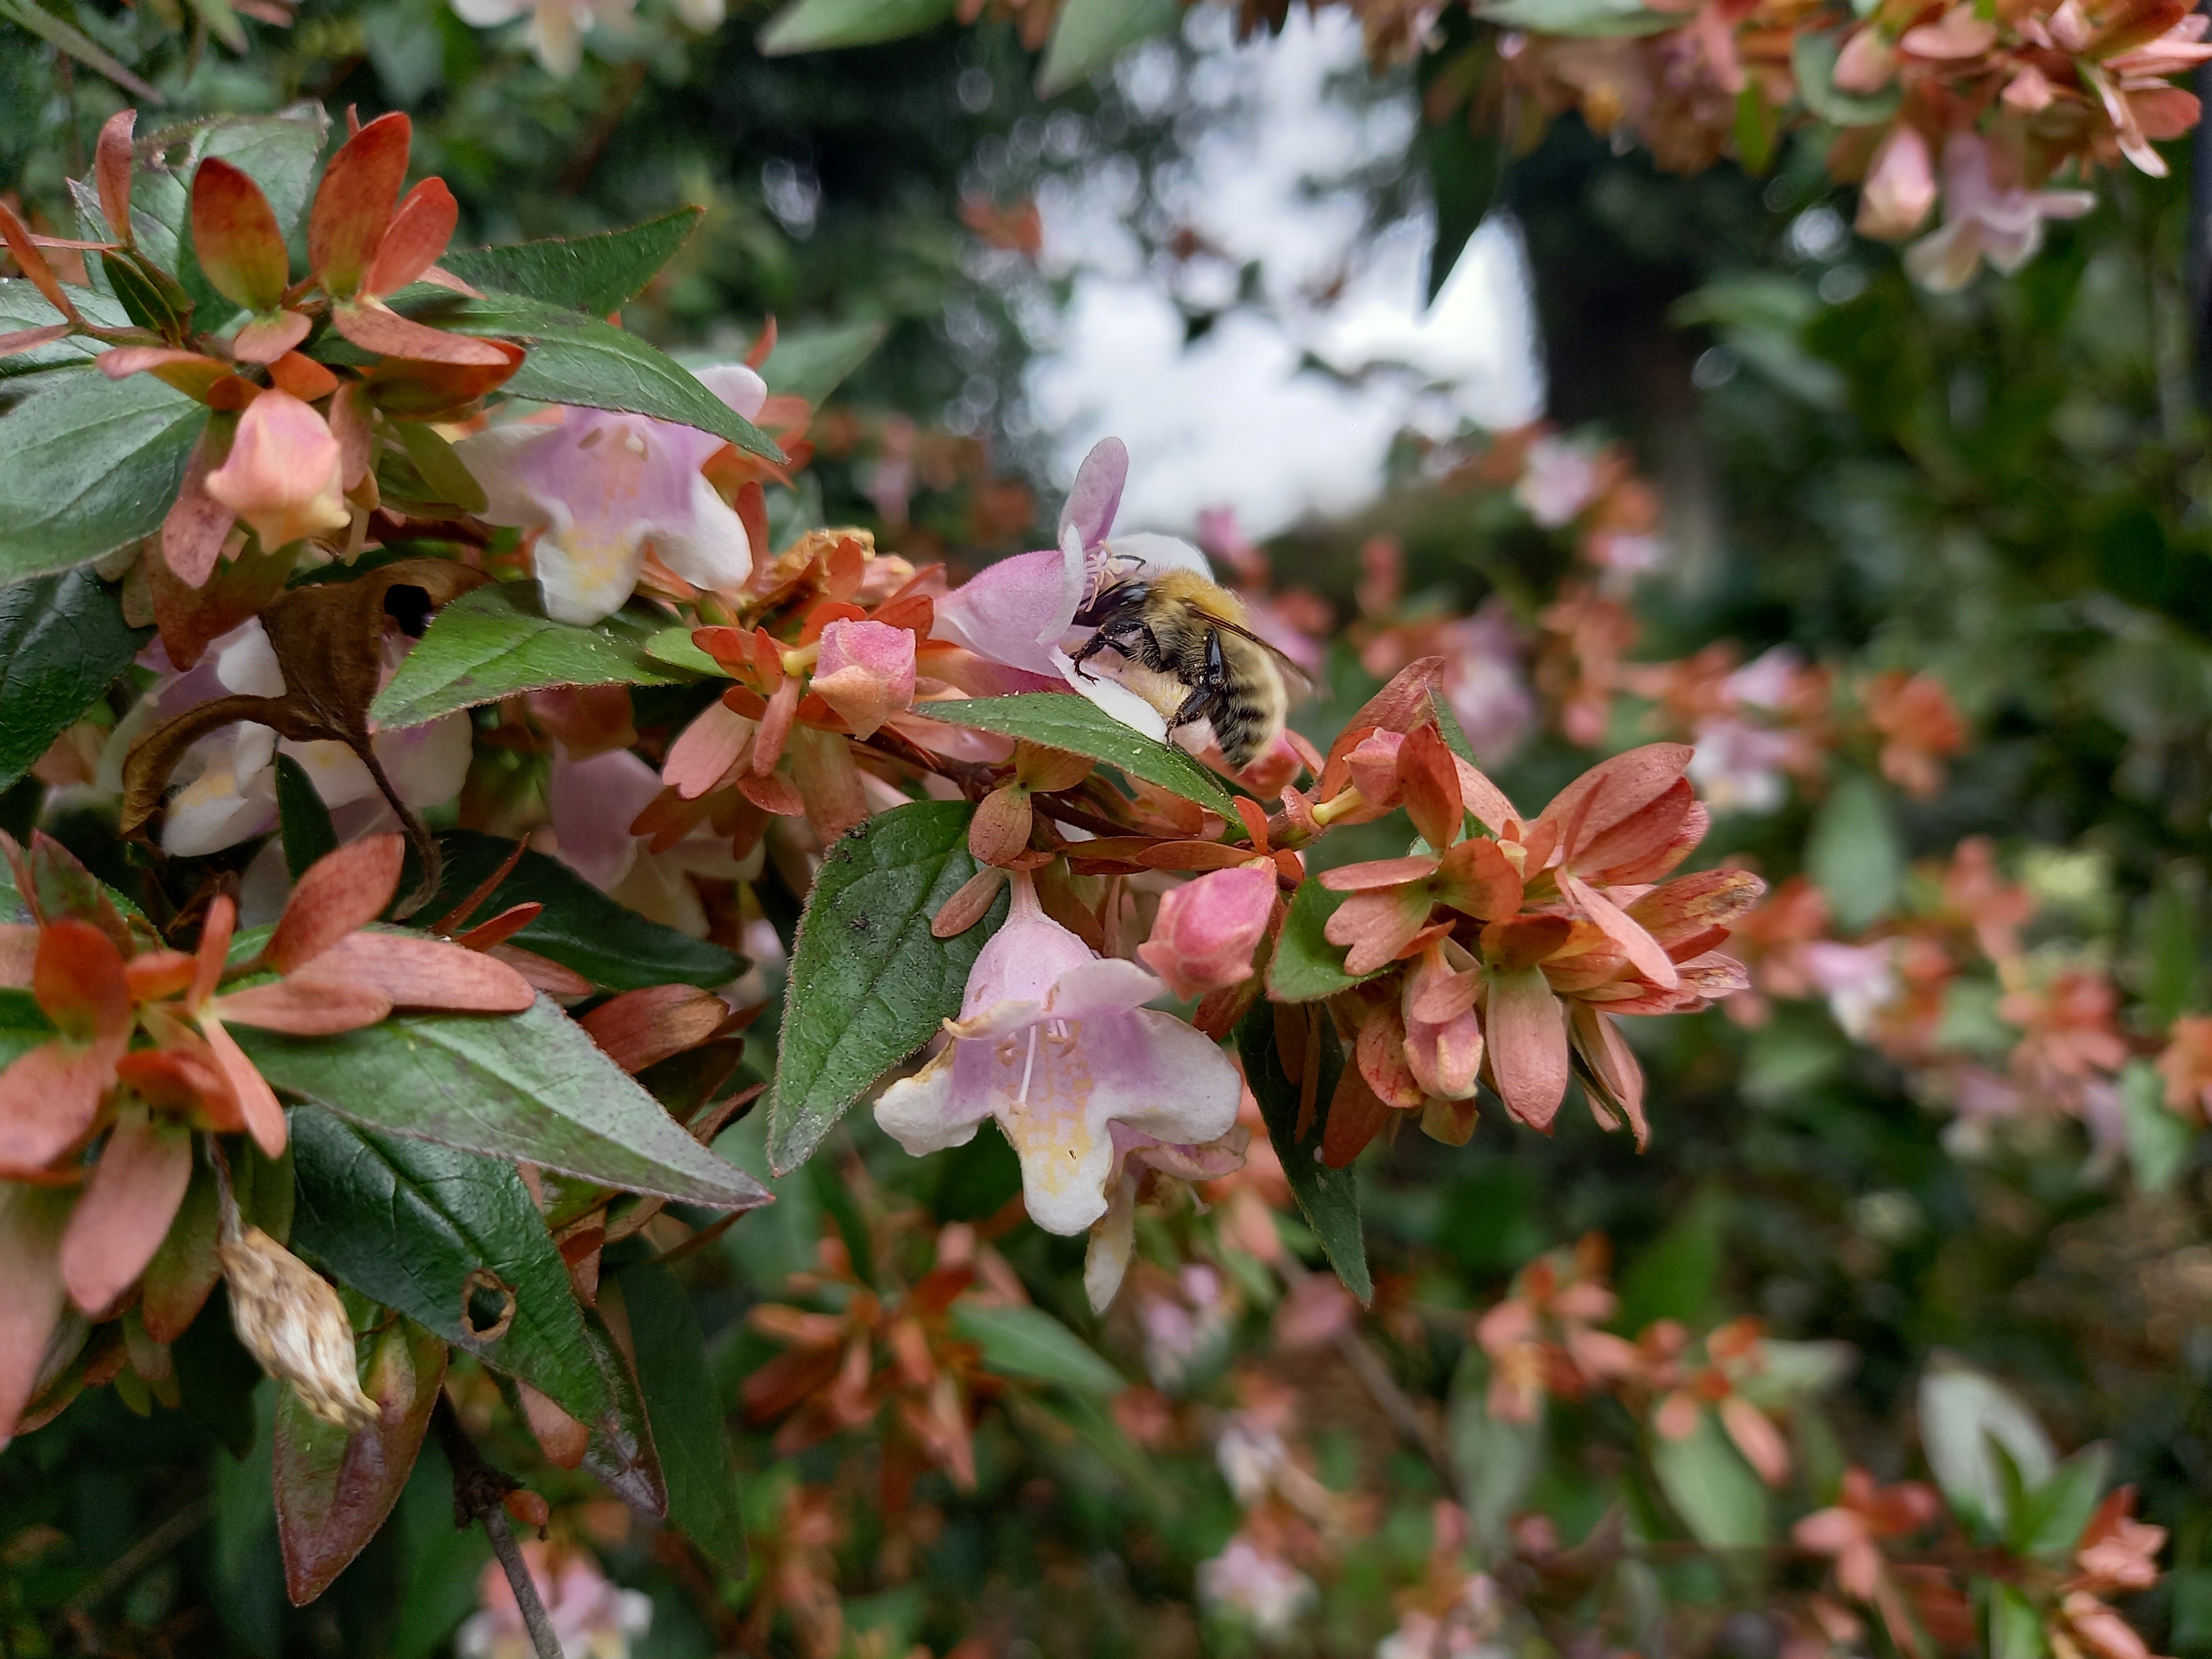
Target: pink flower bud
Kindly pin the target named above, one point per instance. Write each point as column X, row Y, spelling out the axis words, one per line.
column 1208, row 929
column 1374, row 763
column 1900, row 187
column 1866, row 63
column 866, row 672
column 282, row 475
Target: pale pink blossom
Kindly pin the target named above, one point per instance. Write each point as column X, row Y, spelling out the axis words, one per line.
column 1900, row 191
column 866, row 672
column 1738, row 767
column 1983, row 220
column 1208, row 928
column 593, row 1617
column 600, row 488
column 1136, row 1157
column 1246, row 1584
column 1559, row 478
column 1057, row 1045
column 1859, row 981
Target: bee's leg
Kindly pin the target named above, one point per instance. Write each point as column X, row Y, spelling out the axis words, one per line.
column 1198, row 706
column 1119, row 633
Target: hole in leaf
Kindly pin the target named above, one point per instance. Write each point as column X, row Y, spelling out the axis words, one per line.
column 487, row 1305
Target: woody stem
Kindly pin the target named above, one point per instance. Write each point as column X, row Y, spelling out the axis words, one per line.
column 480, row 1495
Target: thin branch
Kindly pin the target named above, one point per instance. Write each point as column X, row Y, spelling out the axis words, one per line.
column 480, row 1496
column 143, row 1554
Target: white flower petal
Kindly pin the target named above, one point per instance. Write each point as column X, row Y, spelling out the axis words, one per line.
column 922, row 1112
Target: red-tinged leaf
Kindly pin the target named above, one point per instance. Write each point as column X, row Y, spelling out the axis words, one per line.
column 303, row 377
column 564, row 985
column 353, row 204
column 1380, row 1053
column 256, row 1102
column 1757, row 1438
column 182, row 1082
column 640, row 1028
column 340, row 892
column 1614, row 789
column 193, row 533
column 1644, row 951
column 235, row 235
column 1193, row 855
column 32, row 1296
column 417, row 390
column 1356, row 1116
column 185, row 1268
column 417, row 971
column 1692, row 904
column 502, row 927
column 773, row 793
column 19, row 954
column 372, row 328
column 418, row 234
column 26, row 339
column 268, row 339
column 1476, row 877
column 305, row 1005
column 1484, row 798
column 348, row 417
column 1400, row 705
column 334, row 1490
column 202, row 379
column 1527, row 1033
column 1523, row 941
column 1000, row 832
column 562, row 1439
column 1379, row 873
column 126, row 1209
column 78, row 979
column 1616, row 854
column 214, row 948
column 111, row 168
column 1612, row 1072
column 706, row 749
column 32, row 263
column 1430, row 778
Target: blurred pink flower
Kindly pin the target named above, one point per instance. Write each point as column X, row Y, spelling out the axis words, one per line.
column 594, row 1618
column 1900, row 191
column 1984, row 220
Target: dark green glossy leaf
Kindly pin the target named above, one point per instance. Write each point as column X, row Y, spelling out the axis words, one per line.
column 1328, row 1199
column 1716, row 1493
column 2047, row 1521
column 531, row 1086
column 689, row 1430
column 869, row 984
column 580, row 928
column 816, row 25
column 498, row 641
column 29, row 14
column 334, row 1488
column 1465, row 161
column 621, row 1452
column 592, row 274
column 23, row 307
column 407, row 1223
column 62, row 641
column 87, row 463
column 1079, row 726
column 301, row 818
column 22, row 1026
column 1030, row 1343
column 576, row 359
column 1306, row 966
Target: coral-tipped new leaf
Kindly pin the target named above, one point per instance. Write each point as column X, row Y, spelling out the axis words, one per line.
column 353, row 206
column 341, row 891
column 235, row 236
column 417, row 235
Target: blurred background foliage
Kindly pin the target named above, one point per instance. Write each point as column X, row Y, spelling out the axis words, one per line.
column 2005, row 487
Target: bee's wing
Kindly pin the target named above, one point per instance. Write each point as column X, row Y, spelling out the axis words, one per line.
column 1299, row 683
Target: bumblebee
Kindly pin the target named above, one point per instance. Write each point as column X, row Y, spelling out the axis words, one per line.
column 1192, row 631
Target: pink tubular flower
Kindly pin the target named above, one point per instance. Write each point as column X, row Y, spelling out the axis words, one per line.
column 1983, row 220
column 1900, row 187
column 866, row 672
column 600, row 489
column 1208, row 929
column 281, row 473
column 593, row 1617
column 1056, row 1043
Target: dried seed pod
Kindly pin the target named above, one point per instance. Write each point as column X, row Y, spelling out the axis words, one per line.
column 292, row 1322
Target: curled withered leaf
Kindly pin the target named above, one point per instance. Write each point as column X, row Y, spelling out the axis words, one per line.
column 329, row 641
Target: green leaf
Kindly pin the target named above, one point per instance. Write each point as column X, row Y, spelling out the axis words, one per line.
column 23, row 307
column 1498, row 1460
column 1719, row 1498
column 334, row 1489
column 1813, row 61
column 815, row 25
column 813, row 362
column 1677, row 1274
column 440, row 467
column 88, row 464
column 576, row 359
column 278, row 152
column 531, row 1086
column 1029, row 1343
column 591, row 274
column 1466, row 167
column 869, row 983
column 621, row 1452
column 673, row 645
column 1961, row 1412
column 1854, row 855
column 497, row 641
column 1597, row 18
column 407, row 1223
column 302, row 820
column 580, row 928
column 1306, row 966
column 1328, row 1199
column 63, row 639
column 2048, row 1521
column 689, row 1432
column 67, row 37
column 2159, row 1139
column 2015, row 1627
column 1079, row 726
column 1090, row 34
